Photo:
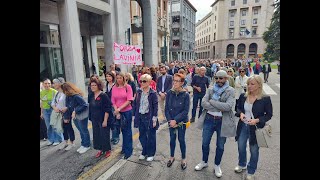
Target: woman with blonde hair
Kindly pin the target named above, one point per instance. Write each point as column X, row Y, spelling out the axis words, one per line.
column 254, row 110
column 121, row 99
column 146, row 117
column 76, row 105
column 230, row 72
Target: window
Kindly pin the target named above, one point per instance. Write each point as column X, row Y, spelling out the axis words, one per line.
column 215, row 18
column 231, row 23
column 242, row 31
column 255, row 21
column 164, row 5
column 255, row 11
column 243, row 22
column 215, row 26
column 158, row 3
column 256, row 1
column 233, row 2
column 231, row 33
column 232, row 13
column 244, row 1
column 210, row 21
column 209, row 38
column 216, row 8
column 244, row 12
column 214, row 36
column 254, row 31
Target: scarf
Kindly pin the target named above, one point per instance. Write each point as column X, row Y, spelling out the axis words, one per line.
column 217, row 90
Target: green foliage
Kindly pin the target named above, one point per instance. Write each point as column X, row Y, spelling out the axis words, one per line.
column 272, row 36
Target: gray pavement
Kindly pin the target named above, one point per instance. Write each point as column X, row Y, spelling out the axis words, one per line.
column 59, row 164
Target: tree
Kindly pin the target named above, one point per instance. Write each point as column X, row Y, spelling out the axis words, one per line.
column 272, row 36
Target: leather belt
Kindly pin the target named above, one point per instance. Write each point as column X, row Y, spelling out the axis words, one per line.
column 215, row 117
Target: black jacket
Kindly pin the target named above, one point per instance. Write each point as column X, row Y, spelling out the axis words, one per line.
column 261, row 109
column 266, row 70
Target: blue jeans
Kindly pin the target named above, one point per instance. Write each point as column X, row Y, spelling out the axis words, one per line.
column 115, row 133
column 127, row 134
column 147, row 136
column 242, row 148
column 53, row 136
column 82, row 126
column 196, row 98
column 181, row 138
column 210, row 125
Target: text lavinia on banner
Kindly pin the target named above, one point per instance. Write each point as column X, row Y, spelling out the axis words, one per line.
column 127, row 54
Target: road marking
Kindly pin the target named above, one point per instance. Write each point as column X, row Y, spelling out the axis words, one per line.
column 121, row 162
column 102, row 163
column 278, row 84
column 267, row 89
column 112, row 170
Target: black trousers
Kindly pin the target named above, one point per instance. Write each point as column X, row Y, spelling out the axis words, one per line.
column 68, row 132
column 101, row 136
column 43, row 129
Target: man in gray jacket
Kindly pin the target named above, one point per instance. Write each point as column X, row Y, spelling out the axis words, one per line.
column 218, row 104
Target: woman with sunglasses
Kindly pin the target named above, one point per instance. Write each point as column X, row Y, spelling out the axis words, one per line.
column 240, row 84
column 146, row 113
column 176, row 112
column 230, row 72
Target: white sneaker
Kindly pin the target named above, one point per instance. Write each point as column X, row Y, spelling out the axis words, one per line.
column 249, row 177
column 70, row 146
column 201, row 165
column 217, row 171
column 239, row 169
column 79, row 149
column 62, row 145
column 56, row 143
column 49, row 143
column 142, row 157
column 83, row 150
column 150, row 159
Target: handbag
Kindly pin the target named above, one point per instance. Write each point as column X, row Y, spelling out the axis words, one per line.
column 263, row 135
column 84, row 114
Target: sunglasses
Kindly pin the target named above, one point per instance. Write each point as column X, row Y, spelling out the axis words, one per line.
column 229, row 71
column 143, row 81
column 241, row 71
column 216, row 78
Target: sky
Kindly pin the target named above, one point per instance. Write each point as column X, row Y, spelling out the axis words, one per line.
column 202, row 6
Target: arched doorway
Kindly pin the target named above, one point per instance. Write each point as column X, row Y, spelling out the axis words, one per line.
column 230, row 51
column 253, row 48
column 241, row 50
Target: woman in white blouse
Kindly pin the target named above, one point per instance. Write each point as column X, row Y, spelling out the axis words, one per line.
column 240, row 84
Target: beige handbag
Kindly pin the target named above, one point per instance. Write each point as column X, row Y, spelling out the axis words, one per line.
column 263, row 135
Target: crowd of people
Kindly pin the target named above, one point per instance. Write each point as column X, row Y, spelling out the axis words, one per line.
column 221, row 89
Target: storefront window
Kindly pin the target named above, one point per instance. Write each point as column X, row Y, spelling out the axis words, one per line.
column 51, row 61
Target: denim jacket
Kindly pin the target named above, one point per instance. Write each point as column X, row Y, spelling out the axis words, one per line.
column 74, row 103
column 153, row 108
column 177, row 106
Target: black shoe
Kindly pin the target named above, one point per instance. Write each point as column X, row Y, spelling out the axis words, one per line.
column 192, row 120
column 126, row 157
column 183, row 166
column 169, row 163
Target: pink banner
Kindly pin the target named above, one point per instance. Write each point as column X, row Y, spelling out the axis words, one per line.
column 127, row 54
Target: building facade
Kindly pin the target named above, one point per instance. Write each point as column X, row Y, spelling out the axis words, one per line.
column 238, row 27
column 205, row 29
column 69, row 31
column 182, row 26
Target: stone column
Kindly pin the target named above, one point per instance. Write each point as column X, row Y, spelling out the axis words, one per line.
column 94, row 51
column 70, row 40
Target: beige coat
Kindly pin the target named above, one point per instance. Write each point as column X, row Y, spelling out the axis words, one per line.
column 240, row 84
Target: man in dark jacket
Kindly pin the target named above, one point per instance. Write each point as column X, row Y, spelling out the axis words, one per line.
column 172, row 69
column 164, row 83
column 266, row 68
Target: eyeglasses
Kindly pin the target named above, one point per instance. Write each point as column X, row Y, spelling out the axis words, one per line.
column 143, row 81
column 229, row 71
column 241, row 71
column 216, row 78
column 176, row 81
